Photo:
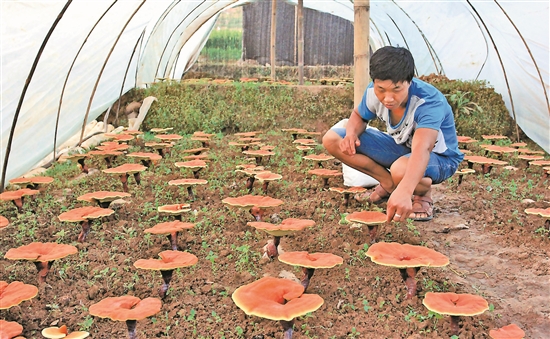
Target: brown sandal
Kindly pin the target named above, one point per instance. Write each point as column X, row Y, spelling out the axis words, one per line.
column 422, row 204
column 379, row 191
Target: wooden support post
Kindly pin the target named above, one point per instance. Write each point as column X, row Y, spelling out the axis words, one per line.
column 301, row 41
column 361, row 55
column 273, row 37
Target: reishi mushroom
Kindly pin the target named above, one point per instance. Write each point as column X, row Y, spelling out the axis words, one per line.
column 276, row 299
column 319, row 158
column 124, row 171
column 455, row 305
column 55, row 332
column 175, row 209
column 84, row 215
column 4, row 222
column 171, row 230
column 309, row 262
column 511, row 331
column 325, row 174
column 146, row 158
column 168, row 262
column 370, row 218
column 194, row 165
column 286, row 227
column 543, row 212
column 408, row 259
column 17, row 197
column 257, row 204
column 259, row 155
column 42, row 255
column 9, row 329
column 12, row 294
column 266, row 177
column 31, row 182
column 188, row 183
column 463, row 171
column 103, row 198
column 347, row 192
column 126, row 308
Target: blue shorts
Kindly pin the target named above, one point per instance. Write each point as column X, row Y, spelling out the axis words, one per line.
column 381, row 148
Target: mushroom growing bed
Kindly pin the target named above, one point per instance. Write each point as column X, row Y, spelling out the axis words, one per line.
column 498, row 252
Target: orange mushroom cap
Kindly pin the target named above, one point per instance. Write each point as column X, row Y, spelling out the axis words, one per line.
column 303, row 148
column 187, row 182
column 511, row 331
column 160, row 130
column 540, row 163
column 14, row 293
column 55, row 332
column 463, row 171
column 195, row 150
column 120, row 137
column 287, row 226
column 528, row 151
column 112, row 146
column 483, row 160
column 518, row 144
column 12, row 195
column 275, row 299
column 158, row 145
column 293, row 130
column 405, row 255
column 126, row 308
column 252, row 200
column 259, row 153
column 268, row 176
column 4, row 222
column 169, row 227
column 530, row 157
column 126, row 168
column 202, row 134
column 105, row 153
column 169, row 260
column 246, row 134
column 84, row 213
column 203, row 157
column 543, row 212
column 168, row 136
column 319, row 157
column 32, row 180
column 9, row 329
column 367, row 217
column 325, row 173
column 455, row 304
column 311, row 260
column 144, row 155
column 351, row 190
column 102, row 196
column 250, row 140
column 191, row 164
column 494, row 137
column 305, row 142
column 39, row 251
column 77, row 335
column 174, row 208
column 500, row 149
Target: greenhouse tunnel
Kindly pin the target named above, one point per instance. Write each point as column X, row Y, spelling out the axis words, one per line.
column 64, row 63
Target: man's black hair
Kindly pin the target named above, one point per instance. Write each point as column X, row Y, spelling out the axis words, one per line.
column 392, row 63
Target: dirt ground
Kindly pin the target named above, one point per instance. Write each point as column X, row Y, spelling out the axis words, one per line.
column 495, row 251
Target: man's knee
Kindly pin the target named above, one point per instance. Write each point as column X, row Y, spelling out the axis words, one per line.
column 330, row 138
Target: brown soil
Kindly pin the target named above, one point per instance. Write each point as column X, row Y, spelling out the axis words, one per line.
column 502, row 255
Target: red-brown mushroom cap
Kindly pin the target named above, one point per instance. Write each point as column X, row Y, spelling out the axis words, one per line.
column 158, row 145
column 145, row 155
column 201, row 134
column 350, row 190
column 463, row 171
column 169, row 227
column 168, row 136
column 126, row 308
column 477, row 159
column 303, row 148
column 319, row 157
column 4, row 222
column 325, row 173
column 275, row 299
column 120, row 137
column 405, row 255
column 32, row 180
column 126, row 168
column 12, row 195
column 540, row 163
column 543, row 212
column 311, row 260
column 530, row 157
column 528, row 151
column 174, row 208
column 259, row 153
column 133, row 132
column 105, row 153
column 195, row 150
column 77, row 156
column 518, row 144
column 500, row 149
column 193, row 164
column 252, row 200
column 249, row 141
column 38, row 251
column 246, row 134
column 203, row 157
column 77, row 335
column 203, row 139
column 250, row 166
column 187, row 182
column 15, row 292
column 494, row 137
column 84, row 213
column 267, row 148
column 305, row 142
column 160, row 130
column 268, row 176
column 367, row 217
column 9, row 329
column 102, row 196
column 464, row 139
column 55, row 332
column 511, row 331
column 286, row 227
column 169, row 260
column 455, row 304
column 252, row 172
column 112, row 146
column 293, row 130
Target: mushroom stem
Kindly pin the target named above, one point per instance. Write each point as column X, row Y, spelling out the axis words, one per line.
column 196, row 173
column 190, row 193
column 108, row 161
column 470, row 165
column 137, row 177
column 257, row 213
column 264, row 186
column 459, row 180
column 166, row 277
column 250, row 183
column 85, row 230
column 173, row 237
column 346, row 199
column 408, row 274
column 325, row 183
column 104, row 204
column 486, row 168
column 272, row 250
column 19, row 204
column 287, row 327
column 146, row 162
column 83, row 166
column 43, row 268
column 131, row 324
column 294, row 136
column 454, row 324
column 308, row 273
column 124, row 180
column 258, row 161
column 373, row 230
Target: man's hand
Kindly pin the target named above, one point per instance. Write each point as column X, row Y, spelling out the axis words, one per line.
column 399, row 206
column 349, row 143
